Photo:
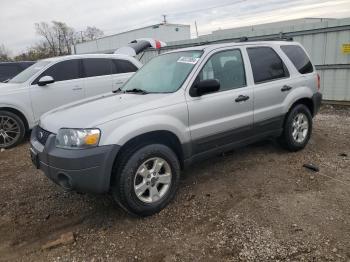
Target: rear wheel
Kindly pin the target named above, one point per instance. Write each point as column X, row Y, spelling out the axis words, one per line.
column 12, row 129
column 147, row 179
column 297, row 128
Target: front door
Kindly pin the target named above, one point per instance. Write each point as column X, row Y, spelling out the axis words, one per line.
column 68, row 87
column 226, row 116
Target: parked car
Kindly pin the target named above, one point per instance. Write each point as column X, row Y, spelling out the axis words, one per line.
column 181, row 107
column 53, row 82
column 11, row 69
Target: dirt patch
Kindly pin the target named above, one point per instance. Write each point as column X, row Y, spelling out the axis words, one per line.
column 254, row 204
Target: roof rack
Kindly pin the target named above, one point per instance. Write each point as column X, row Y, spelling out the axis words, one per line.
column 281, row 37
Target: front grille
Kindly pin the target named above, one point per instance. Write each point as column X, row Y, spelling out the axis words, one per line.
column 42, row 135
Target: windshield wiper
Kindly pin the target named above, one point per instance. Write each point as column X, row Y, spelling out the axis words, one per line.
column 136, row 90
column 117, row 90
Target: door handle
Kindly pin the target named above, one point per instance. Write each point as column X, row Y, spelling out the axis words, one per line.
column 286, row 88
column 241, row 98
column 119, row 82
column 77, row 88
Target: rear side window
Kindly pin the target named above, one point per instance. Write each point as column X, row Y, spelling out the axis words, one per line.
column 97, row 67
column 266, row 64
column 299, row 58
column 62, row 71
column 124, row 66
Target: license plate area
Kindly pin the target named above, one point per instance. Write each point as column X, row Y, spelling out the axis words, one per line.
column 35, row 158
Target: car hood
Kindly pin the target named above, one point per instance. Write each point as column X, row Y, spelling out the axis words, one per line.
column 95, row 111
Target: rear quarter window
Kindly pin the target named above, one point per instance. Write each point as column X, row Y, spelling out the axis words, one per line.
column 299, row 58
column 124, row 66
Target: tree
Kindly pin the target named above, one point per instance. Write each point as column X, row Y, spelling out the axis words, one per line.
column 59, row 37
column 4, row 54
column 92, row 33
column 45, row 30
column 39, row 51
column 65, row 36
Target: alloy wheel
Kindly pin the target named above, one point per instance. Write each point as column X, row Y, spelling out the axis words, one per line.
column 300, row 127
column 152, row 180
column 9, row 131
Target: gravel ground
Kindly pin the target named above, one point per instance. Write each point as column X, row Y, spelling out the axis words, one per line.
column 254, row 204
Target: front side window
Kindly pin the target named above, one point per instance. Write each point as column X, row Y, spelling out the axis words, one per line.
column 97, row 67
column 227, row 67
column 29, row 72
column 299, row 58
column 165, row 73
column 266, row 64
column 62, row 71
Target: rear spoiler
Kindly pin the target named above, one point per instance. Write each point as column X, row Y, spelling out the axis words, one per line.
column 139, row 45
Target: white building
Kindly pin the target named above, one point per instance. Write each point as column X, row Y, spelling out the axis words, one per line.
column 108, row 44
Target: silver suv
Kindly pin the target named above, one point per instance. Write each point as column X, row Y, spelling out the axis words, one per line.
column 181, row 107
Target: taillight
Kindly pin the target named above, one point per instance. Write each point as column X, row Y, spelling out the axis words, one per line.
column 318, row 82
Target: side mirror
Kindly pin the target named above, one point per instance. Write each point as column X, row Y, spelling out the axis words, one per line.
column 45, row 80
column 204, row 87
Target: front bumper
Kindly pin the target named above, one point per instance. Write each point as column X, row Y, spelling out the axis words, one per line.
column 316, row 101
column 85, row 170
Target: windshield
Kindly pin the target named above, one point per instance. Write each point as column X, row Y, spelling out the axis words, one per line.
column 29, row 72
column 164, row 73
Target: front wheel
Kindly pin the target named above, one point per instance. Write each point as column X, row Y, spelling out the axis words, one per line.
column 147, row 179
column 12, row 129
column 297, row 128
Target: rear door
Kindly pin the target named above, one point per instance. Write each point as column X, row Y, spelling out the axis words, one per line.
column 97, row 76
column 272, row 83
column 68, row 87
column 221, row 118
column 122, row 71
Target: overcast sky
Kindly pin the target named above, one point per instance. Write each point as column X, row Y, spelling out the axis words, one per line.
column 17, row 17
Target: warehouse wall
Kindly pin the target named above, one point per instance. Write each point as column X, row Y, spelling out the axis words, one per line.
column 108, row 44
column 323, row 41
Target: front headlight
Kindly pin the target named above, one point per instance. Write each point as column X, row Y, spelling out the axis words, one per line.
column 77, row 138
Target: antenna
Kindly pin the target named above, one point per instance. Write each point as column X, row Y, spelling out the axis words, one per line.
column 164, row 19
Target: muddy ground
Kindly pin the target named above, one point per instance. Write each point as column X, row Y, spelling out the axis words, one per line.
column 254, row 204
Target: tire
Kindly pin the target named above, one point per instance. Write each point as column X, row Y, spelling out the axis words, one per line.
column 137, row 173
column 12, row 129
column 297, row 128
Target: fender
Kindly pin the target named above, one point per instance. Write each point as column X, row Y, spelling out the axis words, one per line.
column 25, row 113
column 144, row 124
column 295, row 95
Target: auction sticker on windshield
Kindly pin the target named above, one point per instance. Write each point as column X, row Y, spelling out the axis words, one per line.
column 188, row 60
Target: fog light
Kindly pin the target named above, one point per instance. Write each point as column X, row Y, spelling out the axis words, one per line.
column 64, row 181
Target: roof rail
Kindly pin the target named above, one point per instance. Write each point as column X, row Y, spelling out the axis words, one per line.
column 281, row 37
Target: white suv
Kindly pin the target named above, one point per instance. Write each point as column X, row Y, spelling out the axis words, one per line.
column 53, row 82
